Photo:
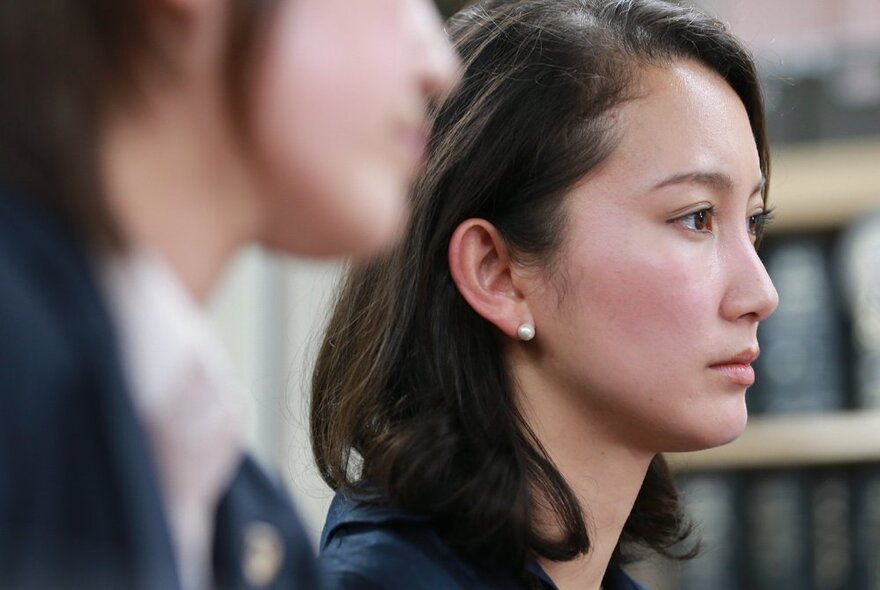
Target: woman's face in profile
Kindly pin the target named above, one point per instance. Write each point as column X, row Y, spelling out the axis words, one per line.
column 652, row 318
column 340, row 118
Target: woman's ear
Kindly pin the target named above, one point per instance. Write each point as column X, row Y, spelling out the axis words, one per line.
column 483, row 272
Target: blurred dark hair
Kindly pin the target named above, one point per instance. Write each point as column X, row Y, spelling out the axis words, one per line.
column 410, row 390
column 63, row 65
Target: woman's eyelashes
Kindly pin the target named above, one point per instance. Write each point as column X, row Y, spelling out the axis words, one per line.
column 703, row 220
column 758, row 223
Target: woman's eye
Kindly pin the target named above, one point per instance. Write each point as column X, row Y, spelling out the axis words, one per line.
column 701, row 221
column 758, row 223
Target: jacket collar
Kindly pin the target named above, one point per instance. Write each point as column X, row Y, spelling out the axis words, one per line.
column 368, row 508
column 364, row 508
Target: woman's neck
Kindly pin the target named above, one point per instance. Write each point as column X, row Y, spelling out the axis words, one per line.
column 178, row 188
column 606, row 485
column 604, row 474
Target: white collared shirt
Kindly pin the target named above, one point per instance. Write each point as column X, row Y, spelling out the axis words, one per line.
column 183, row 395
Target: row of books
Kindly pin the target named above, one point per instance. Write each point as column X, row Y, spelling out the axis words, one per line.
column 820, row 351
column 785, row 530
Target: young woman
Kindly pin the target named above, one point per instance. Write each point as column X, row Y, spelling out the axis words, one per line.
column 141, row 144
column 578, row 292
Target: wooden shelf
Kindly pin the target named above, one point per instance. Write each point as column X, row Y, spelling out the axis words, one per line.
column 795, row 440
column 823, row 185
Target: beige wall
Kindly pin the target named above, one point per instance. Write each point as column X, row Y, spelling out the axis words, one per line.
column 269, row 314
column 800, row 30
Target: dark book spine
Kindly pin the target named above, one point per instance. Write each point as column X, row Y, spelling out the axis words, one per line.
column 832, row 530
column 803, row 366
column 859, row 257
column 866, row 528
column 778, row 531
column 712, row 503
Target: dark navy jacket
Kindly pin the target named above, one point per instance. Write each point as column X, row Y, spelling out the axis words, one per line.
column 372, row 547
column 79, row 501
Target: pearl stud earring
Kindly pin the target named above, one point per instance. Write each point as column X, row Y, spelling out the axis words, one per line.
column 526, row 331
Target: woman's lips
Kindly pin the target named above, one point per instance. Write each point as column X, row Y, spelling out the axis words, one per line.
column 741, row 374
column 738, row 368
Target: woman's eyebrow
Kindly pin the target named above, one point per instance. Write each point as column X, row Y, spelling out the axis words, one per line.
column 715, row 180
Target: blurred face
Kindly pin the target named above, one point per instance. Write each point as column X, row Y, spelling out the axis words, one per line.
column 648, row 325
column 340, row 119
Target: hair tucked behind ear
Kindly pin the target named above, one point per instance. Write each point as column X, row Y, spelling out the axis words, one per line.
column 410, row 390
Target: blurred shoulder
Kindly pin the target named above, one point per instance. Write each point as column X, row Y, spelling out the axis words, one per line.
column 52, row 318
column 259, row 538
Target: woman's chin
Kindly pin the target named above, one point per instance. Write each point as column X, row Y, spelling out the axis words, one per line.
column 709, row 434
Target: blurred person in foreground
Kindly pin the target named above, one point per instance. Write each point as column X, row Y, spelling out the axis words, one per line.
column 578, row 292
column 141, row 145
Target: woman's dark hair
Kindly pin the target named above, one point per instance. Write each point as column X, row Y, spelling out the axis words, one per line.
column 410, row 391
column 63, row 65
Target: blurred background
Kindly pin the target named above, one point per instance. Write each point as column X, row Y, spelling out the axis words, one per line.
column 794, row 503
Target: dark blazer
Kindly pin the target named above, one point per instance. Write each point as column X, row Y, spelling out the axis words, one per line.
column 376, row 547
column 80, row 506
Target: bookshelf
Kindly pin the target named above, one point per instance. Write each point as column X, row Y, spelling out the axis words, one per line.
column 822, row 186
column 797, row 440
column 802, row 178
